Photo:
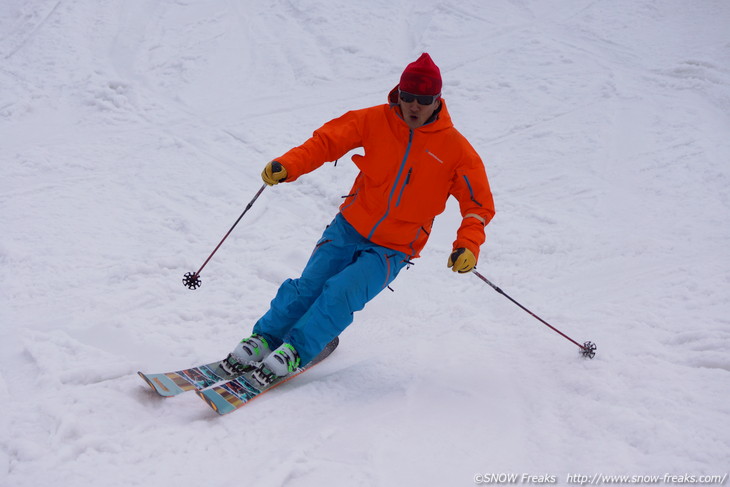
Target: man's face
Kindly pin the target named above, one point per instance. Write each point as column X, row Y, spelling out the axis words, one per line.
column 416, row 114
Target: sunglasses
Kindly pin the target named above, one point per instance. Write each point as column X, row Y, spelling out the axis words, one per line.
column 421, row 99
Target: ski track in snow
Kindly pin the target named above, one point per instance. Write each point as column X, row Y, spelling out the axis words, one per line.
column 133, row 135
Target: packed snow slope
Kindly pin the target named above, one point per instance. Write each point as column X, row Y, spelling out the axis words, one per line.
column 132, row 135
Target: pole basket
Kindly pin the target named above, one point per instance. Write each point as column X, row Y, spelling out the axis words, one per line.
column 588, row 350
column 192, row 280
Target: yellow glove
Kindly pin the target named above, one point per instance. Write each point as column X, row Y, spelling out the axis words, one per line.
column 462, row 260
column 273, row 173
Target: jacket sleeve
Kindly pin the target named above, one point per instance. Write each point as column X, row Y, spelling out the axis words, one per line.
column 328, row 143
column 471, row 189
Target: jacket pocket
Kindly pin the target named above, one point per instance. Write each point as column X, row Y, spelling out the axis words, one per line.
column 404, row 185
column 423, row 193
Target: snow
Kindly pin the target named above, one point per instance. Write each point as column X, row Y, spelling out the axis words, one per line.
column 132, row 135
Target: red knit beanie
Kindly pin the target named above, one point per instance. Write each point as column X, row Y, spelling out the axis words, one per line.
column 421, row 77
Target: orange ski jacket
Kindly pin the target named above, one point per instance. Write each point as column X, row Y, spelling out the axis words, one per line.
column 405, row 176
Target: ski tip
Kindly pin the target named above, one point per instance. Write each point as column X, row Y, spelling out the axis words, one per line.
column 207, row 401
column 210, row 402
column 147, row 380
column 162, row 385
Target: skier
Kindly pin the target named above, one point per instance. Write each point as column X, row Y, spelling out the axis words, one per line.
column 413, row 160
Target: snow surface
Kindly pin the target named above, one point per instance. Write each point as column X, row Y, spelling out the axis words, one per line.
column 132, row 135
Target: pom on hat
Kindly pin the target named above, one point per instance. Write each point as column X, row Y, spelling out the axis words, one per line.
column 421, row 77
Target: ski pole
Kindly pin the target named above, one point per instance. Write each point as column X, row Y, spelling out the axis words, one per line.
column 588, row 349
column 192, row 279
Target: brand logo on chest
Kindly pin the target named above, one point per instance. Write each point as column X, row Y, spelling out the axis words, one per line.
column 437, row 158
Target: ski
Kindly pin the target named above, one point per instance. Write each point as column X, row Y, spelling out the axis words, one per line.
column 230, row 396
column 168, row 384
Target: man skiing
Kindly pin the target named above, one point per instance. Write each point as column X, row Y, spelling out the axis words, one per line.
column 413, row 160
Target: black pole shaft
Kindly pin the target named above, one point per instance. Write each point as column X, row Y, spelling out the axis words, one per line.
column 496, row 288
column 248, row 207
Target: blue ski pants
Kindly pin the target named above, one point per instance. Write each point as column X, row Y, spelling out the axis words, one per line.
column 344, row 272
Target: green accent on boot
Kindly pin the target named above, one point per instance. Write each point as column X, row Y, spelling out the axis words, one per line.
column 256, row 348
column 293, row 365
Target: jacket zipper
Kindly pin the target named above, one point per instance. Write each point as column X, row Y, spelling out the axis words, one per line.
column 395, row 184
column 402, row 188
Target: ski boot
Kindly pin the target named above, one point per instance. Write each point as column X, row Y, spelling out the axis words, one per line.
column 247, row 353
column 278, row 364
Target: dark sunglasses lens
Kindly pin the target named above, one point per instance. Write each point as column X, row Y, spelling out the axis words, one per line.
column 422, row 99
column 407, row 97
